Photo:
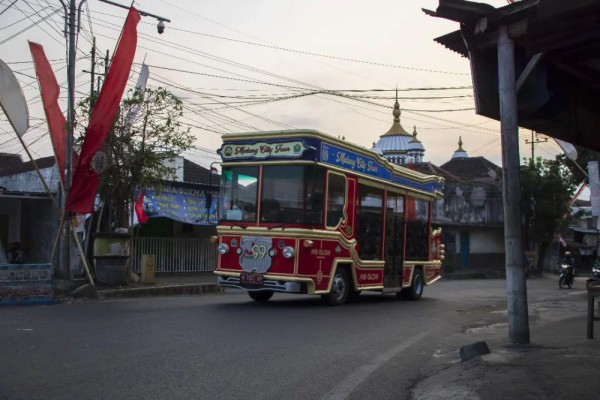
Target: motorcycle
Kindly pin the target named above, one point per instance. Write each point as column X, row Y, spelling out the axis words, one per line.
column 566, row 276
column 596, row 271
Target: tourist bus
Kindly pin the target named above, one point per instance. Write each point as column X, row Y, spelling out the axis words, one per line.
column 303, row 212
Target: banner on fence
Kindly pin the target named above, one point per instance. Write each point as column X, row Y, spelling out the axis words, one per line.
column 181, row 204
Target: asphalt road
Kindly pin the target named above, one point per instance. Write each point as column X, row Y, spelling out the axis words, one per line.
column 225, row 346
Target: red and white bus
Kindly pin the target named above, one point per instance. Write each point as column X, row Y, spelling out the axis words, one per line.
column 303, row 212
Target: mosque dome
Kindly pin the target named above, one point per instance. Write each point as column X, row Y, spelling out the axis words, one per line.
column 415, row 144
column 397, row 145
column 376, row 149
column 460, row 152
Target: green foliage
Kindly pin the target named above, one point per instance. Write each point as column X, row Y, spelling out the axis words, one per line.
column 583, row 157
column 140, row 149
column 547, row 187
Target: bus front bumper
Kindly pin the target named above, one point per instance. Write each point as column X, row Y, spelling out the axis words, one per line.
column 268, row 284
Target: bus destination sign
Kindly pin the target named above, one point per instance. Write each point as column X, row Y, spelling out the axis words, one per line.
column 262, row 150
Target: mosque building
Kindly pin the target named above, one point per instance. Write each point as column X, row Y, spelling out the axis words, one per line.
column 471, row 212
column 397, row 145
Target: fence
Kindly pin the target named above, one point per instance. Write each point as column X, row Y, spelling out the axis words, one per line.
column 175, row 254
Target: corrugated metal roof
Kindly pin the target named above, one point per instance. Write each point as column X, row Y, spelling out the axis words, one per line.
column 561, row 97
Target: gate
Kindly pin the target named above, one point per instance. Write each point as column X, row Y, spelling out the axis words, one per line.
column 175, row 254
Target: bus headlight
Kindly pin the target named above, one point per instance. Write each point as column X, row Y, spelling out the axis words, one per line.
column 288, row 252
column 223, row 249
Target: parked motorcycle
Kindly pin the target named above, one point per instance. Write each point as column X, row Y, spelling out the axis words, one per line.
column 566, row 276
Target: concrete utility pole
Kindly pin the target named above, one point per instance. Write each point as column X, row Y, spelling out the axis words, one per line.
column 533, row 142
column 516, row 291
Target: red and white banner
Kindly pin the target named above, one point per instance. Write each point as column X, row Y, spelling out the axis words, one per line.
column 50, row 91
column 85, row 180
column 139, row 209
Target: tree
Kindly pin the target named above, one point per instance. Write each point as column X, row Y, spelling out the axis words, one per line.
column 583, row 157
column 146, row 136
column 546, row 189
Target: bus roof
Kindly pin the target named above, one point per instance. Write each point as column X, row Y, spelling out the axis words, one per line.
column 312, row 145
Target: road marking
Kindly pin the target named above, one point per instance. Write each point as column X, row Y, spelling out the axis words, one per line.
column 358, row 376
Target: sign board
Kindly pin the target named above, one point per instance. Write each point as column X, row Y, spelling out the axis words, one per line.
column 263, row 150
column 187, row 205
column 26, row 284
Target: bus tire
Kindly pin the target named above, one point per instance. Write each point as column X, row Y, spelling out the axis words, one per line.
column 415, row 291
column 261, row 296
column 340, row 288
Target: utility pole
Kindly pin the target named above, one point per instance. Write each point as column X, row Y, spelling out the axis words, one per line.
column 72, row 27
column 533, row 142
column 92, row 72
column 518, row 318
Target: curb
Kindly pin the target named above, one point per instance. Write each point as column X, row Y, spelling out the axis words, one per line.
column 172, row 290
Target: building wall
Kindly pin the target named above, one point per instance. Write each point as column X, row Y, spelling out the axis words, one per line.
column 486, row 248
column 177, row 163
column 39, row 228
column 487, row 241
column 464, row 203
column 10, row 231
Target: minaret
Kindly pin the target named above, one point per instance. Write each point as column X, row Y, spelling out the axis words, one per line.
column 415, row 147
column 460, row 152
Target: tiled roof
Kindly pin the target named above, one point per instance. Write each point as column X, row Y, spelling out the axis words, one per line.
column 194, row 173
column 12, row 164
column 474, row 168
column 432, row 169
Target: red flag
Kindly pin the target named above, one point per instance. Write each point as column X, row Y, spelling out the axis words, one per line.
column 85, row 180
column 139, row 209
column 50, row 91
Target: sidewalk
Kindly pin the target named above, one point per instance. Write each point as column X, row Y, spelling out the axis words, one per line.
column 165, row 285
column 560, row 362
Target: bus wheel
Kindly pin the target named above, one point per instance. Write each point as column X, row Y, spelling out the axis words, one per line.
column 415, row 291
column 339, row 288
column 261, row 296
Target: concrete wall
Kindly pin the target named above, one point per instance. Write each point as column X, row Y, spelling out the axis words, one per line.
column 487, row 241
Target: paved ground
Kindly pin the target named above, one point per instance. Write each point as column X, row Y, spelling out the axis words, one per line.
column 560, row 362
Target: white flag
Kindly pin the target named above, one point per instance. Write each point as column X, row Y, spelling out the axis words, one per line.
column 568, row 148
column 12, row 100
column 141, row 85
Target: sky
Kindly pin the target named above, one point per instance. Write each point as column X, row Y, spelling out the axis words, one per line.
column 265, row 65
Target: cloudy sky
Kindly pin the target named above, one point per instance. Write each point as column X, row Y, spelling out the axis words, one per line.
column 242, row 65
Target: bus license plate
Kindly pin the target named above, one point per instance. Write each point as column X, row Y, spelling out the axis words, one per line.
column 251, row 278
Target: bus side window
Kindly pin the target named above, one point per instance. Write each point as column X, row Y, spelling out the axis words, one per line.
column 336, row 199
column 369, row 223
column 417, row 229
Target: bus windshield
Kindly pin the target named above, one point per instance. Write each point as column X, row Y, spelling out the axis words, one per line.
column 239, row 187
column 292, row 194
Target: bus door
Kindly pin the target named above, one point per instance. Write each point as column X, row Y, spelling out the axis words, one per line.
column 394, row 241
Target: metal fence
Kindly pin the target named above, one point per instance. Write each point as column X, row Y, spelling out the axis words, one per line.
column 175, row 254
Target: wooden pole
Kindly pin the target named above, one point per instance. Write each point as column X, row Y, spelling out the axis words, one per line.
column 516, row 290
column 58, row 233
column 83, row 258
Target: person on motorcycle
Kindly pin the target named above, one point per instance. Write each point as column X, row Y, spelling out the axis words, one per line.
column 570, row 261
